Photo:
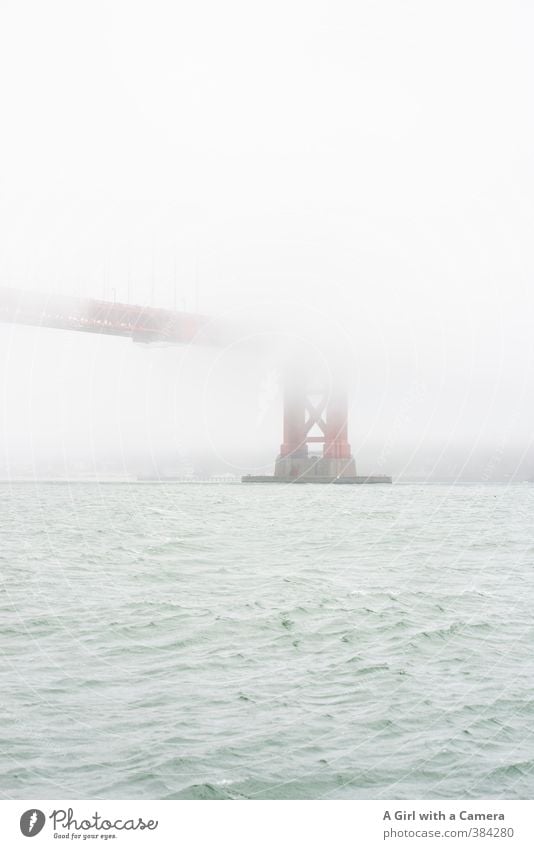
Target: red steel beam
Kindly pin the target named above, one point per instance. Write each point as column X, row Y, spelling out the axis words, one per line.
column 142, row 324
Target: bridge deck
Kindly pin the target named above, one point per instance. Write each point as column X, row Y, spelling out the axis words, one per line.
column 140, row 323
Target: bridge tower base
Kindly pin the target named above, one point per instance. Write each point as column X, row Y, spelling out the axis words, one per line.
column 315, row 412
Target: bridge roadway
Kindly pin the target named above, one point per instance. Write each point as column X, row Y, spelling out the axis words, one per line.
column 140, row 323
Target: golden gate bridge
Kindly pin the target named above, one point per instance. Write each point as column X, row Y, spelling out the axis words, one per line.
column 315, row 409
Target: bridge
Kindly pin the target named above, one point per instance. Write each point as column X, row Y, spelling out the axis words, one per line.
column 315, row 407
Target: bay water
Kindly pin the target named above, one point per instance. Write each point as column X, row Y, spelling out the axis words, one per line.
column 228, row 641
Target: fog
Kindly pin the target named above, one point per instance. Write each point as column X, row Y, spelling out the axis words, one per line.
column 358, row 169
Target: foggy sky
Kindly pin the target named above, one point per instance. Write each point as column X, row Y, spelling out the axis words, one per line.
column 366, row 162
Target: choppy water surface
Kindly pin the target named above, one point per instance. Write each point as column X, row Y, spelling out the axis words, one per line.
column 230, row 641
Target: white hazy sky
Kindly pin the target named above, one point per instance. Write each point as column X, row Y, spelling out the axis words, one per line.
column 370, row 161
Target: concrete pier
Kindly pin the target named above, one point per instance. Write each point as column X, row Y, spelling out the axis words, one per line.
column 316, row 479
column 315, row 469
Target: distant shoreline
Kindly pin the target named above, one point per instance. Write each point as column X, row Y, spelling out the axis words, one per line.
column 222, row 481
